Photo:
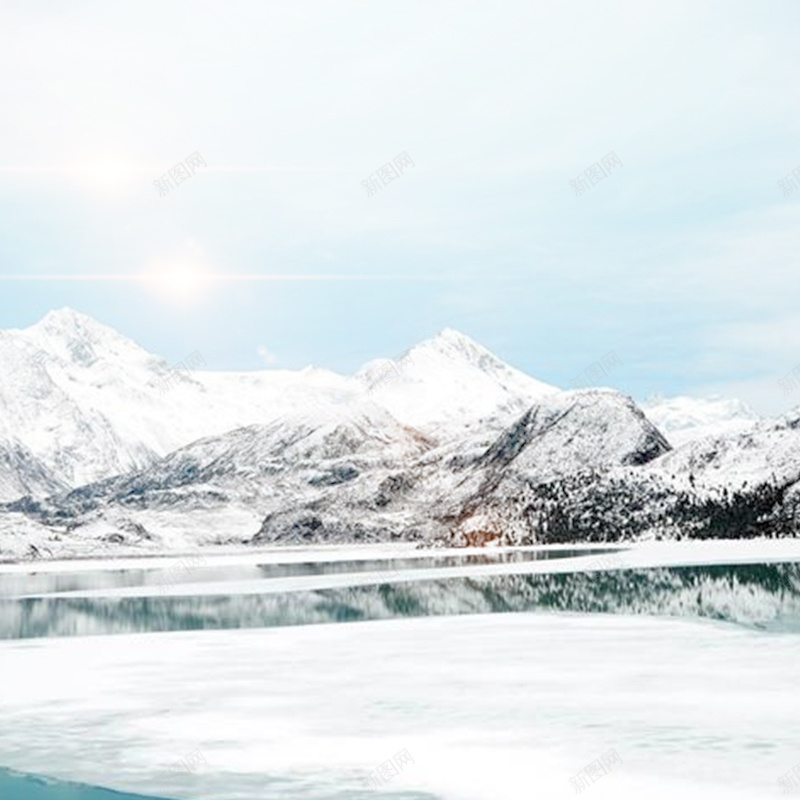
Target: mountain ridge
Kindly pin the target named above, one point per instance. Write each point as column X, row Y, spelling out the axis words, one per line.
column 101, row 443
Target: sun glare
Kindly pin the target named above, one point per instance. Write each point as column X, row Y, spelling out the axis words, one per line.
column 183, row 281
column 106, row 173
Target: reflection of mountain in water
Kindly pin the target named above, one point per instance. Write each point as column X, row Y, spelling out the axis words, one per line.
column 757, row 595
column 187, row 571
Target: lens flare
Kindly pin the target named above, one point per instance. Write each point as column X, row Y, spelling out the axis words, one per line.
column 178, row 280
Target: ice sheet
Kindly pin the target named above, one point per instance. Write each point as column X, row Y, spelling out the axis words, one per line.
column 505, row 706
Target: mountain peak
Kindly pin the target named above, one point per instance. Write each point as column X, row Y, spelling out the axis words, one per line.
column 65, row 314
column 67, row 322
column 80, row 339
column 456, row 345
column 446, row 380
column 452, row 335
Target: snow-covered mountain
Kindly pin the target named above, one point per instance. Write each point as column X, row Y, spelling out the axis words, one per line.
column 448, row 382
column 685, row 419
column 88, row 403
column 578, row 465
column 765, row 449
column 101, row 441
column 21, row 473
column 355, row 473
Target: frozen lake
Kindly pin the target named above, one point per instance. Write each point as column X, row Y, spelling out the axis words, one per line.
column 197, row 569
column 20, row 787
column 500, row 679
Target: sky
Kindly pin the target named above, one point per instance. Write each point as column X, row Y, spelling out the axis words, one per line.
column 682, row 260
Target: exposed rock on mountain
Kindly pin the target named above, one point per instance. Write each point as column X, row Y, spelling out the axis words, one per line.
column 89, row 403
column 21, row 473
column 445, row 445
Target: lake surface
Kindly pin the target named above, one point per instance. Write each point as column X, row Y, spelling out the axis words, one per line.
column 765, row 596
column 27, row 787
column 760, row 600
column 192, row 570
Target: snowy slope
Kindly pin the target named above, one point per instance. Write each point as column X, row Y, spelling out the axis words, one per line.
column 81, row 397
column 222, row 487
column 89, row 403
column 584, row 465
column 577, row 430
column 21, row 473
column 685, row 419
column 447, row 444
column 767, row 449
column 563, row 437
column 448, row 382
column 355, row 473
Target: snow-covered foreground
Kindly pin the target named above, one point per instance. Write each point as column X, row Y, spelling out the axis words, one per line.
column 501, row 706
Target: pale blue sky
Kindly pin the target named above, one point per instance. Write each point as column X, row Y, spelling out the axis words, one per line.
column 683, row 261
